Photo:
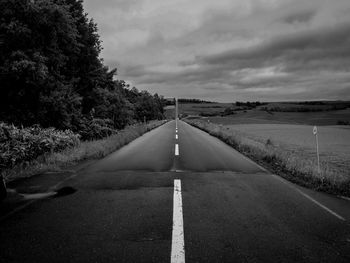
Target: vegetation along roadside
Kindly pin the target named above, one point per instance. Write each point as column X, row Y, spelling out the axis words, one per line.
column 287, row 164
column 59, row 102
column 77, row 152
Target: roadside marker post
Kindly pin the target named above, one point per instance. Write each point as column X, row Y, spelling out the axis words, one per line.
column 318, row 155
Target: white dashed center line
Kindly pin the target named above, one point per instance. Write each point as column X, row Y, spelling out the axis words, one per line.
column 176, row 149
column 176, row 137
column 178, row 241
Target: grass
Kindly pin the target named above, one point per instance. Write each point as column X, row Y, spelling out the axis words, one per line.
column 169, row 112
column 256, row 116
column 203, row 108
column 88, row 150
column 291, row 162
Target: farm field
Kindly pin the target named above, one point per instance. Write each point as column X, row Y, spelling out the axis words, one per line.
column 289, row 150
column 283, row 140
column 169, row 112
column 307, row 118
column 334, row 141
column 202, row 108
column 287, row 115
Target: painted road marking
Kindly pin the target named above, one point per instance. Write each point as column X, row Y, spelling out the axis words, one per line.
column 321, row 205
column 178, row 241
column 176, row 137
column 176, row 149
column 301, row 192
column 310, row 198
column 344, row 197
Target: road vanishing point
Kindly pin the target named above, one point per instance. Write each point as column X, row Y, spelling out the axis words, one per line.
column 177, row 194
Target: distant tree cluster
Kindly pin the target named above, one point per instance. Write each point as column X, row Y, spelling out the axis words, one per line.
column 182, row 100
column 306, row 108
column 249, row 104
column 310, row 103
column 341, row 122
column 51, row 73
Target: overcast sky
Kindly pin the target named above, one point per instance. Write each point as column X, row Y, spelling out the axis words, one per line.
column 228, row 50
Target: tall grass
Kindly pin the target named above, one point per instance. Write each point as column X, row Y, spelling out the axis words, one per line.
column 287, row 163
column 87, row 150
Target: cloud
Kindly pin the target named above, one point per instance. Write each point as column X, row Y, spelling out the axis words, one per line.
column 302, row 17
column 268, row 49
column 305, row 49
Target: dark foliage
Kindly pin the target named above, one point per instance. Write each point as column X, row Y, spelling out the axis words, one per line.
column 343, row 122
column 19, row 145
column 96, row 129
column 229, row 111
column 193, row 101
column 304, row 108
column 249, row 104
column 51, row 73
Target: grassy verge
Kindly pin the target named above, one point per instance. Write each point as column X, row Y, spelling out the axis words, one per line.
column 286, row 163
column 88, row 150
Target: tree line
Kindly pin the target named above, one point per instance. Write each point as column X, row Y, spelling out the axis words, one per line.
column 51, row 73
column 184, row 100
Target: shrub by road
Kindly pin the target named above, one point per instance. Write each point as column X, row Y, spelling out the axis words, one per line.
column 34, row 150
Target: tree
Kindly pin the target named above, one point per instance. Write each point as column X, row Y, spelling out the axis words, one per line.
column 37, row 40
column 51, row 72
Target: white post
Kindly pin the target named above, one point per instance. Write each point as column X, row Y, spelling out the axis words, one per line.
column 318, row 155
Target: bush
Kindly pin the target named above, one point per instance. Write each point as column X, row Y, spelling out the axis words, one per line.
column 96, row 129
column 25, row 144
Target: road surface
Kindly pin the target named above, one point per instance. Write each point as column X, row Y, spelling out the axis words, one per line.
column 177, row 195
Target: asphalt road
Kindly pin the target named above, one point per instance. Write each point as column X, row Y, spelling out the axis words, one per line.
column 126, row 209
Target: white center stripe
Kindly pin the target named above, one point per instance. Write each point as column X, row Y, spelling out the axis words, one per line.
column 178, row 242
column 176, row 137
column 176, row 149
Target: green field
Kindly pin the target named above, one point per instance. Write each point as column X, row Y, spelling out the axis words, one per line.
column 334, row 142
column 306, row 118
column 202, row 108
column 245, row 115
column 169, row 112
